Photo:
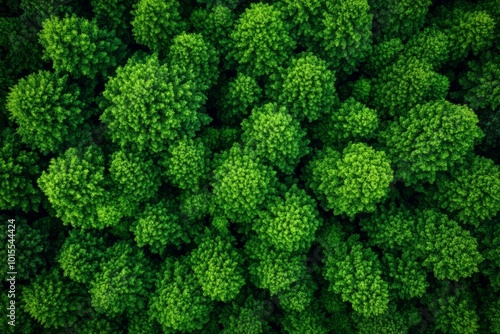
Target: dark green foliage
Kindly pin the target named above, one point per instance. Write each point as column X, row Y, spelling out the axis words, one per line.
column 390, row 228
column 469, row 31
column 239, row 95
column 98, row 325
column 337, row 31
column 195, row 205
column 215, row 25
column 361, row 90
column 308, row 321
column 31, row 245
column 142, row 323
column 493, row 315
column 451, row 252
column 271, row 269
column 307, row 88
column 238, row 167
column 430, row 46
column 81, row 254
column 114, row 16
column 48, row 111
column 74, row 185
column 489, row 242
column 275, row 136
column 230, row 4
column 289, row 222
column 35, row 12
column 155, row 23
column 186, row 164
column 18, row 44
column 178, row 303
column 454, row 309
column 407, row 276
column 384, row 54
column 481, row 82
column 447, row 249
column 300, row 295
column 219, row 139
column 430, row 138
column 406, row 83
column 341, row 312
column 217, row 266
column 245, row 315
column 148, row 106
column 135, row 175
column 398, row 18
column 25, row 324
column 53, row 300
column 482, row 92
column 79, row 46
column 355, row 272
column 123, row 281
column 191, row 58
column 393, row 321
column 471, row 190
column 260, row 40
column 346, row 34
column 352, row 121
column 18, row 174
column 242, row 184
column 352, row 181
column 159, row 225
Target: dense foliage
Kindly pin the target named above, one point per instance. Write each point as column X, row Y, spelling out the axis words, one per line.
column 234, row 166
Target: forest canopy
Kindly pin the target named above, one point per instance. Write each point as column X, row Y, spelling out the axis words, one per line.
column 237, row 166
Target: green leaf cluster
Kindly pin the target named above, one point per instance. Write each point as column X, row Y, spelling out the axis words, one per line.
column 352, row 181
column 236, row 166
column 79, row 46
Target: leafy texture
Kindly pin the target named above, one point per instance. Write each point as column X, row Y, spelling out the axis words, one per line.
column 192, row 58
column 79, row 46
column 216, row 265
column 242, row 184
column 178, row 303
column 122, row 282
column 406, row 83
column 75, row 186
column 274, row 270
column 48, row 111
column 307, row 88
column 398, row 18
column 148, row 106
column 239, row 95
column 159, row 225
column 30, row 248
column 353, row 121
column 347, row 33
column 239, row 167
column 215, row 25
column 289, row 223
column 53, row 300
column 135, row 175
column 431, row 138
column 19, row 171
column 471, row 190
column 352, row 181
column 449, row 250
column 155, row 23
column 80, row 255
column 260, row 40
column 275, row 136
column 186, row 164
column 355, row 273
